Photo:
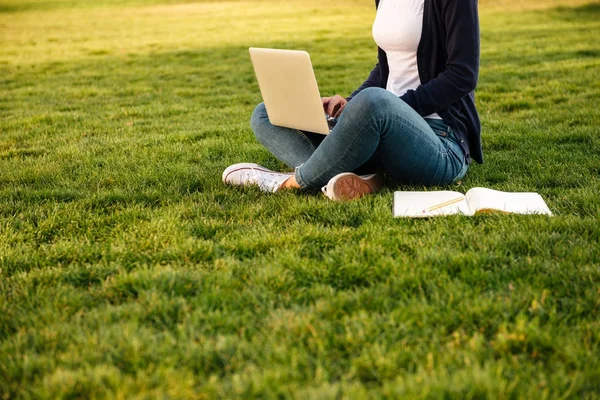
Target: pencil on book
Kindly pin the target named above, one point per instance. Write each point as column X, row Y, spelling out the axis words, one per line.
column 444, row 204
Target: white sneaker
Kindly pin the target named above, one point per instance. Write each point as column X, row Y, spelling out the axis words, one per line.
column 348, row 186
column 248, row 174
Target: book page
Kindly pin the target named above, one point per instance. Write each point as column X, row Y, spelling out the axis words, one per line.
column 482, row 200
column 429, row 204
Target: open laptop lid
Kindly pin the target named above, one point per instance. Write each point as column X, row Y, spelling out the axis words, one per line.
column 289, row 89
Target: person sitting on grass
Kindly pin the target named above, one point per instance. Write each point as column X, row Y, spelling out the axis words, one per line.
column 414, row 118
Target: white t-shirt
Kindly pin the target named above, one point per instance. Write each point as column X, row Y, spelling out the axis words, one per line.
column 397, row 30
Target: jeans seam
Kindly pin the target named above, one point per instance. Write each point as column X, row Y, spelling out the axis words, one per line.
column 458, row 175
column 311, row 144
column 448, row 140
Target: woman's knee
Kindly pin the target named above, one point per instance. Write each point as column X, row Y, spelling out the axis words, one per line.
column 382, row 105
column 371, row 98
column 259, row 118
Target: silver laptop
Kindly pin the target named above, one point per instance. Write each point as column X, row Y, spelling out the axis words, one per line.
column 289, row 89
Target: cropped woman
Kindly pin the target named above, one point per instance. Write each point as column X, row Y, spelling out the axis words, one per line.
column 414, row 118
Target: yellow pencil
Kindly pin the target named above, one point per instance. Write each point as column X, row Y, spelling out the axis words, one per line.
column 444, row 204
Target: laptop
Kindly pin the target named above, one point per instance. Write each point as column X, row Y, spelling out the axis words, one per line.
column 289, row 89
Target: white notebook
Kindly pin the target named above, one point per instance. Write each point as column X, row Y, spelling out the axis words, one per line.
column 475, row 201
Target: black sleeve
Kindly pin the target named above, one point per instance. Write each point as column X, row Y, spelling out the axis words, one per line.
column 374, row 80
column 459, row 78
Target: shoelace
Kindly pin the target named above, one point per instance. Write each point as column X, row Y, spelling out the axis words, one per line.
column 265, row 184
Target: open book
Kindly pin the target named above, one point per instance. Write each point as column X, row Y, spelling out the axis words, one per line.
column 475, row 201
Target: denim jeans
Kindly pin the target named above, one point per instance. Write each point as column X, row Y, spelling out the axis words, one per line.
column 377, row 132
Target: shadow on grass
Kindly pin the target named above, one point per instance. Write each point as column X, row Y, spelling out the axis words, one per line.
column 590, row 11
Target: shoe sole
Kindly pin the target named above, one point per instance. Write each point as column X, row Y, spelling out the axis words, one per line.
column 349, row 186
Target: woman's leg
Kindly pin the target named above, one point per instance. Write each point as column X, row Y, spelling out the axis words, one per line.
column 291, row 146
column 407, row 146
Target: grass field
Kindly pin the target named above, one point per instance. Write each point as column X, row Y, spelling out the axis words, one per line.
column 128, row 269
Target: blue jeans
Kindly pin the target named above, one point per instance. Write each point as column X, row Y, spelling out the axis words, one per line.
column 377, row 132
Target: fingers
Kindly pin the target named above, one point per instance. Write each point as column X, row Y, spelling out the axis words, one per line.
column 326, row 101
column 339, row 105
column 331, row 107
column 340, row 110
column 334, row 105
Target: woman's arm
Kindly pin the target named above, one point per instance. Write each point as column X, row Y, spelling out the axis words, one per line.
column 462, row 67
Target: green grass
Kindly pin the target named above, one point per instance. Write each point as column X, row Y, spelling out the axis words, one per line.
column 128, row 269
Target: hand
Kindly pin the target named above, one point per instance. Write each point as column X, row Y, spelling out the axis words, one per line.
column 334, row 106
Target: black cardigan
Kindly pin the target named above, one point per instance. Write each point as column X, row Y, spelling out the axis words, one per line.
column 448, row 62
